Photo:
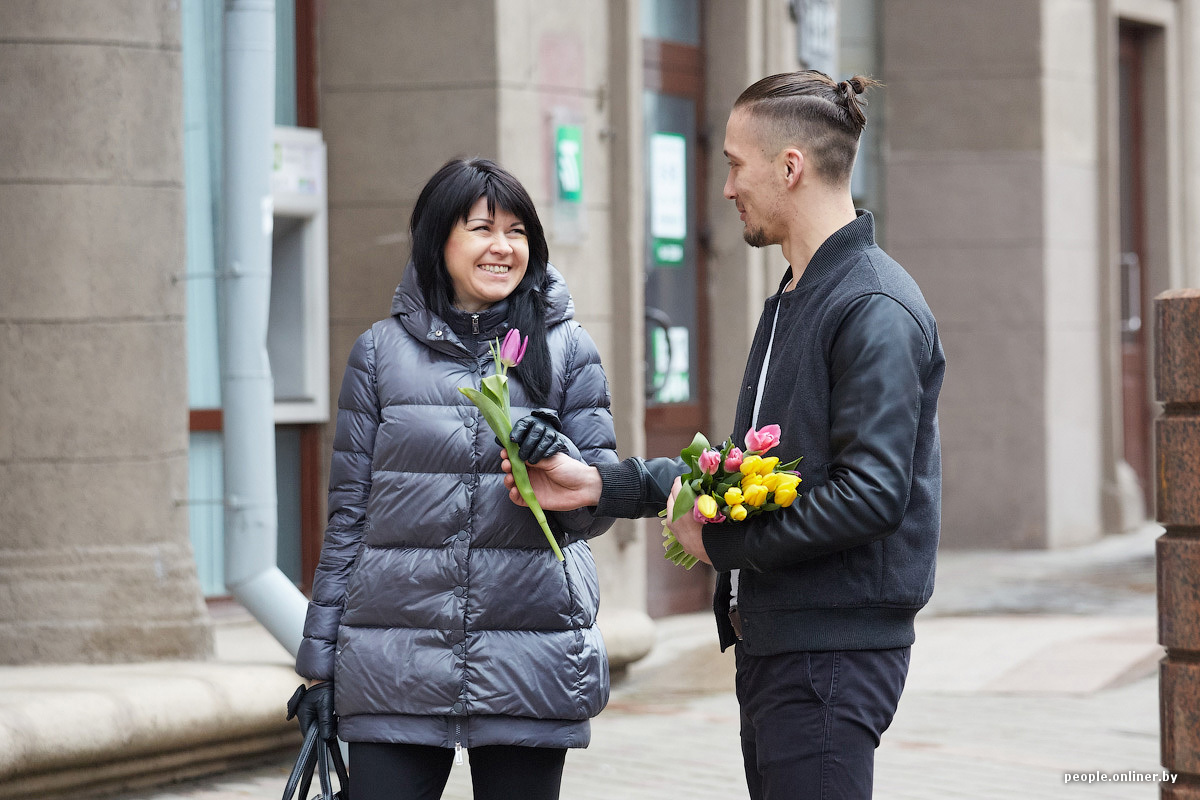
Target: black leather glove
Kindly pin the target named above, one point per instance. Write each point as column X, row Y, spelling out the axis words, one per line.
column 538, row 435
column 314, row 706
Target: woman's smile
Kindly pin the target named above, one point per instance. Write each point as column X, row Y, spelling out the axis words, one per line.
column 486, row 256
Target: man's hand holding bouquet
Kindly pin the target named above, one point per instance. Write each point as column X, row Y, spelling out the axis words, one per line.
column 729, row 484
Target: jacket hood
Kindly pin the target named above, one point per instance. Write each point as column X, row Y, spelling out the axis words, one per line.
column 408, row 303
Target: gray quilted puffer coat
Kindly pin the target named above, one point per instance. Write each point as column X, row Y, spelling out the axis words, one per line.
column 439, row 609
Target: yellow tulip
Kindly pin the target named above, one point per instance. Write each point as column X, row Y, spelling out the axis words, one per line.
column 756, row 495
column 733, row 496
column 750, row 465
column 788, row 479
column 737, row 513
column 771, row 481
column 768, row 465
column 707, row 506
column 785, row 495
column 753, row 479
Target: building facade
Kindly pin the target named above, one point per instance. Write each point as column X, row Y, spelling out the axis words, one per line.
column 1035, row 164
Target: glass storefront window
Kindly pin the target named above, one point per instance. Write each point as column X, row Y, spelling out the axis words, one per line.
column 671, row 248
column 672, row 21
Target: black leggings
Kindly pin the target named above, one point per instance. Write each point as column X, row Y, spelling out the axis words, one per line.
column 417, row 772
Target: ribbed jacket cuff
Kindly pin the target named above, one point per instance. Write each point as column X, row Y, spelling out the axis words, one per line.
column 621, row 489
column 725, row 544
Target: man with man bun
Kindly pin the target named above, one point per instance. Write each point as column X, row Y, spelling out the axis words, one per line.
column 818, row 599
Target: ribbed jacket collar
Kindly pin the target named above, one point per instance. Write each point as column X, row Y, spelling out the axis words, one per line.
column 853, row 236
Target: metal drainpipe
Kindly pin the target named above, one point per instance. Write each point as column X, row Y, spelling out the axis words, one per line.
column 247, row 390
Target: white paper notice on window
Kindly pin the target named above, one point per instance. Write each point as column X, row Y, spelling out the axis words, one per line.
column 671, row 365
column 668, row 186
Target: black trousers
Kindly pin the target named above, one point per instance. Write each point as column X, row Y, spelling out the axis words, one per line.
column 417, row 772
column 811, row 721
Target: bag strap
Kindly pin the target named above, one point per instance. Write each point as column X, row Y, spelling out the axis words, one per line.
column 323, row 772
column 315, row 756
column 303, row 769
column 339, row 765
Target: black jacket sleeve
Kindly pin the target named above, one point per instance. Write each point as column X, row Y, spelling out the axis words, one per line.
column 636, row 488
column 878, row 360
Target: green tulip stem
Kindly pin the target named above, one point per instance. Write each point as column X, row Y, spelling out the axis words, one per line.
column 520, row 475
column 501, row 425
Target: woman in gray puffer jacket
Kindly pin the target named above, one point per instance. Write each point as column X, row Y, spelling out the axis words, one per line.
column 440, row 615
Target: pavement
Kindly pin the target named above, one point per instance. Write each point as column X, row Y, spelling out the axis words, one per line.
column 1030, row 668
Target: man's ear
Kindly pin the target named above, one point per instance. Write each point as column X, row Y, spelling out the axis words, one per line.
column 793, row 166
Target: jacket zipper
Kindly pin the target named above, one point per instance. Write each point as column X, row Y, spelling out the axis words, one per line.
column 458, row 756
column 475, row 324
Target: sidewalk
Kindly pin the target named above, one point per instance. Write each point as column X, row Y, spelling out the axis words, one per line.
column 1027, row 666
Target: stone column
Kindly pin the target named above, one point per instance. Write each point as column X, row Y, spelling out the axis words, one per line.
column 1177, row 372
column 95, row 562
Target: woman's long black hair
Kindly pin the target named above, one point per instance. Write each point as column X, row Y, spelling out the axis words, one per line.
column 444, row 202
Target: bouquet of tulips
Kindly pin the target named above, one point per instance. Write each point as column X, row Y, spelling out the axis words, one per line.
column 494, row 404
column 730, row 484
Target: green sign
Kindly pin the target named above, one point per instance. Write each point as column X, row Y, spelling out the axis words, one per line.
column 568, row 160
column 668, row 251
column 668, row 196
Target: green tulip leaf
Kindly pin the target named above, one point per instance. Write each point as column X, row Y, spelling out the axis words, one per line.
column 684, row 501
column 691, row 453
column 497, row 420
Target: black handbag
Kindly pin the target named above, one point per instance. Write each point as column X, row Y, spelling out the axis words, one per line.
column 315, row 756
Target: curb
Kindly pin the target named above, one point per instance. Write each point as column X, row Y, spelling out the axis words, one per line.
column 70, row 729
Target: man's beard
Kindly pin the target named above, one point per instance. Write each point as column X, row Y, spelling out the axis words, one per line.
column 756, row 237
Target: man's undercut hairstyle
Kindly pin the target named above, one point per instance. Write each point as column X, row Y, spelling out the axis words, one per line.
column 810, row 110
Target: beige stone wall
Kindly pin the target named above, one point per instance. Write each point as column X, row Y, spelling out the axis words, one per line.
column 625, row 270
column 1078, row 335
column 404, row 86
column 94, row 551
column 1003, row 201
column 965, row 202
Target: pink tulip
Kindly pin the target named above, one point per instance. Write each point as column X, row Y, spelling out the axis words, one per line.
column 734, row 460
column 709, row 461
column 763, row 439
column 513, row 348
column 698, row 515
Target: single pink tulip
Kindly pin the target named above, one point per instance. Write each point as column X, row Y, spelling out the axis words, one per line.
column 513, row 348
column 733, row 461
column 709, row 461
column 708, row 504
column 763, row 439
